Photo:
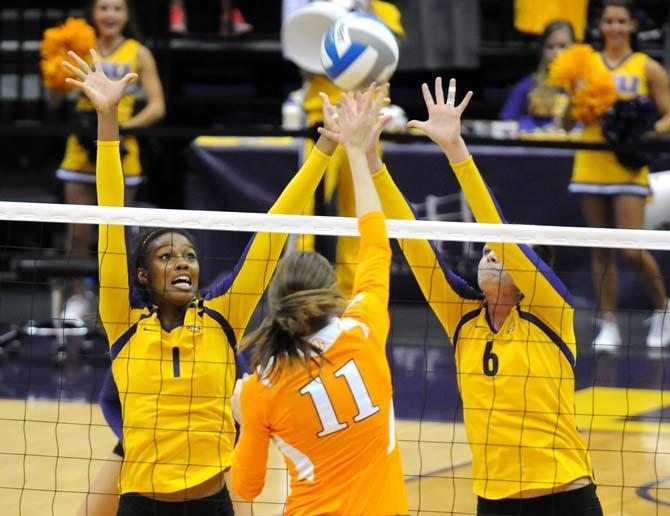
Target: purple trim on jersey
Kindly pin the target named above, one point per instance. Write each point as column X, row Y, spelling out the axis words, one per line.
column 556, row 339
column 110, row 404
column 535, row 259
column 221, row 287
column 487, row 316
column 467, row 317
column 136, row 301
column 125, row 338
column 620, row 63
column 241, row 364
column 122, row 341
column 225, row 325
column 458, row 284
column 547, row 272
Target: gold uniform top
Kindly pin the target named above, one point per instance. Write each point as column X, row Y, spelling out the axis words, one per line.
column 598, row 172
column 517, row 384
column 76, row 165
column 175, row 386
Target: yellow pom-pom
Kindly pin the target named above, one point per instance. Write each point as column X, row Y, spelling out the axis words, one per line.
column 74, row 35
column 570, row 66
column 582, row 74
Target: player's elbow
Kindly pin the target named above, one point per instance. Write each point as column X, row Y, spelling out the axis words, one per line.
column 159, row 110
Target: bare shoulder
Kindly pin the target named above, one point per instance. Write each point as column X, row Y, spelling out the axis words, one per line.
column 144, row 57
column 655, row 70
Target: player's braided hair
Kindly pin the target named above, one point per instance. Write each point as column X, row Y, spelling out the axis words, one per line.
column 302, row 297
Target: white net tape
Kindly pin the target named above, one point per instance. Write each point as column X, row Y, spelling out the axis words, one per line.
column 339, row 226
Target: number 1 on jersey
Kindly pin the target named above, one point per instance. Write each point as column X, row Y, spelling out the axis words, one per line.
column 324, row 407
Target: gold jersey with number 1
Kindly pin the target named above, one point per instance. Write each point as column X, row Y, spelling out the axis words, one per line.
column 517, row 383
column 175, row 385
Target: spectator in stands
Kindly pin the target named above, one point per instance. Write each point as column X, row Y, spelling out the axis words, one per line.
column 121, row 52
column 614, row 195
column 533, row 102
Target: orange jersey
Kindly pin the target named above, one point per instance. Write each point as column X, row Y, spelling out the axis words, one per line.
column 335, row 426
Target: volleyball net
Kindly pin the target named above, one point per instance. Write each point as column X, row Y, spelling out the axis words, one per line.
column 52, row 368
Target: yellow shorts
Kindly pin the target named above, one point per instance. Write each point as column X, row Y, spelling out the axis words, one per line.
column 78, row 168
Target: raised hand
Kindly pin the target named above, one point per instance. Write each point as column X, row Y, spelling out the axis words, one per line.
column 329, row 114
column 375, row 135
column 444, row 117
column 357, row 117
column 103, row 92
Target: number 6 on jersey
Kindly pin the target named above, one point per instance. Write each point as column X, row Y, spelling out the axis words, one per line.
column 324, row 407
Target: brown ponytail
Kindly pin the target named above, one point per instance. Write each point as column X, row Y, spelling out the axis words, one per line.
column 303, row 297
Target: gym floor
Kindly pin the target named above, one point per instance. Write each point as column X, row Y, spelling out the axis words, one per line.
column 55, row 439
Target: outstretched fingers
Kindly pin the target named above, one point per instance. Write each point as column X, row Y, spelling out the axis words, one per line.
column 427, row 96
column 451, row 93
column 128, row 79
column 83, row 65
column 78, row 84
column 348, row 105
column 331, row 135
column 369, row 97
column 383, row 122
column 326, row 102
column 416, row 124
column 464, row 103
column 381, row 97
column 439, row 91
column 97, row 64
column 78, row 72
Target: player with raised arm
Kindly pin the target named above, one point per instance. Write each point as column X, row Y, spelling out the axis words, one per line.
column 514, row 346
column 322, row 389
column 173, row 351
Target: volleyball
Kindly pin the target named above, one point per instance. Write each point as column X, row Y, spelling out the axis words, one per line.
column 359, row 49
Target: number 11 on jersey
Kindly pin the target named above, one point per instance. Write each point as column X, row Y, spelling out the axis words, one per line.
column 324, row 406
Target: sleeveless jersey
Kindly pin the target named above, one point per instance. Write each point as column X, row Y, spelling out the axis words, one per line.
column 78, row 164
column 599, row 172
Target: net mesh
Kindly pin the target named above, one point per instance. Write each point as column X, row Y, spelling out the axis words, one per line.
column 56, row 439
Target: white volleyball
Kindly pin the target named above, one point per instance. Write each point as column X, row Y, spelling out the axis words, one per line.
column 357, row 50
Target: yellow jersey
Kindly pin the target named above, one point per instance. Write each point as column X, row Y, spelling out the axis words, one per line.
column 335, row 425
column 77, row 164
column 599, row 172
column 517, row 384
column 175, row 386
